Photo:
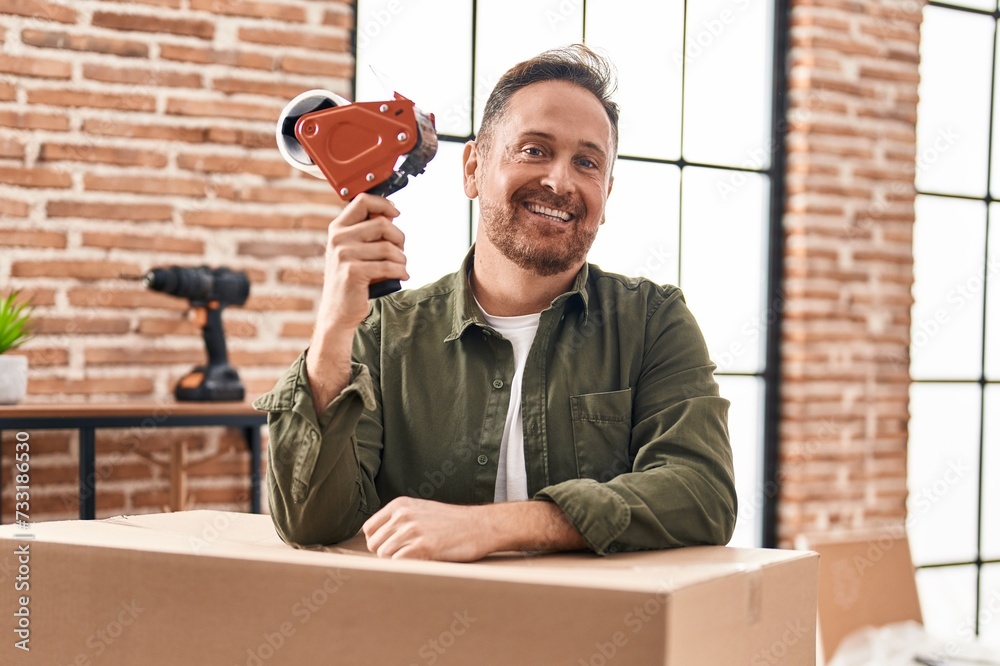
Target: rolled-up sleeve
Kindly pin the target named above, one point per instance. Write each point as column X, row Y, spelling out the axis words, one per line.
column 681, row 489
column 320, row 479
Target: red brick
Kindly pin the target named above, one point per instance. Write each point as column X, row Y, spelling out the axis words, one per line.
column 234, row 220
column 29, row 238
column 13, row 208
column 81, row 326
column 74, row 152
column 141, row 76
column 145, row 243
column 342, row 19
column 251, row 8
column 145, row 185
column 282, row 358
column 33, row 120
column 271, row 87
column 45, row 357
column 207, row 56
column 11, row 148
column 172, row 4
column 126, row 48
column 107, row 298
column 223, row 109
column 8, row 92
column 114, row 127
column 272, row 302
column 169, row 327
column 44, row 443
column 82, row 270
column 79, row 98
column 109, row 211
column 297, row 329
column 39, row 10
column 326, row 41
column 121, row 385
column 235, row 164
column 281, row 195
column 270, row 249
column 36, row 177
column 139, row 356
column 301, row 276
column 318, row 66
column 239, row 137
column 155, row 24
column 35, row 67
column 37, row 296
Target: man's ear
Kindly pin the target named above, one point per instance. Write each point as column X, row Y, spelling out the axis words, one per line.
column 470, row 162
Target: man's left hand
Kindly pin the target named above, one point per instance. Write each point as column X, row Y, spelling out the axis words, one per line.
column 413, row 528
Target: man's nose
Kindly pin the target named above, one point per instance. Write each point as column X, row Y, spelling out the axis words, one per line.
column 558, row 177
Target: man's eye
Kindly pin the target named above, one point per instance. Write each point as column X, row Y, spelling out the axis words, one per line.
column 590, row 164
column 533, row 151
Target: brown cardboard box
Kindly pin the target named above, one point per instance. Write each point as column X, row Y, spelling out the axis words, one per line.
column 865, row 580
column 215, row 588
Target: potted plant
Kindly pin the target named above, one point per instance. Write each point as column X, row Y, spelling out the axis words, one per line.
column 14, row 331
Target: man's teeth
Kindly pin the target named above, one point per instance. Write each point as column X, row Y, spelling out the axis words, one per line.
column 551, row 212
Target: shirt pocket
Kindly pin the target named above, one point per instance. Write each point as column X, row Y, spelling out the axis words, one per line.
column 602, row 431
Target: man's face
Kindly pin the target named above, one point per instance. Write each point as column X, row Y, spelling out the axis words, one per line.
column 545, row 177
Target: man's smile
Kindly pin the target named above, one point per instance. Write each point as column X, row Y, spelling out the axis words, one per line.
column 552, row 213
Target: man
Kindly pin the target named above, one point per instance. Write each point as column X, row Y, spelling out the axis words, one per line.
column 529, row 401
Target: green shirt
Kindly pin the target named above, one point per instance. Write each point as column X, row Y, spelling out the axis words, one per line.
column 624, row 428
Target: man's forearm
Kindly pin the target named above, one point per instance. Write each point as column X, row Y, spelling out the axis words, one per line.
column 532, row 526
column 328, row 365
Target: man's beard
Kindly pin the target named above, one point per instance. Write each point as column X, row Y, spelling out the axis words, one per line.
column 537, row 248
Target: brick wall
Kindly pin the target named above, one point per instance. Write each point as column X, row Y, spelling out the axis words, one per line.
column 140, row 133
column 849, row 264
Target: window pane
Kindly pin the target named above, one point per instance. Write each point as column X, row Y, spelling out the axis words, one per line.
column 645, row 104
column 956, row 55
column 943, row 472
column 439, row 81
column 434, row 215
column 992, row 361
column 509, row 31
column 745, row 431
column 948, row 600
column 989, row 599
column 722, row 262
column 727, row 83
column 946, row 330
column 988, row 5
column 639, row 239
column 991, row 473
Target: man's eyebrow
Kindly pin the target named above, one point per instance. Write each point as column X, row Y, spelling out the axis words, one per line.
column 550, row 137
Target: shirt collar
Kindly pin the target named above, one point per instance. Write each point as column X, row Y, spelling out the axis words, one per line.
column 466, row 313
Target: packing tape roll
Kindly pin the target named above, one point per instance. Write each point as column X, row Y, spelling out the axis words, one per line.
column 289, row 147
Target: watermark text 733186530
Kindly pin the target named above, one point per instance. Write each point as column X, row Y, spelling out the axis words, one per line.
column 22, row 551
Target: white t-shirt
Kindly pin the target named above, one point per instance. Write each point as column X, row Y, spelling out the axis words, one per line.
column 512, row 478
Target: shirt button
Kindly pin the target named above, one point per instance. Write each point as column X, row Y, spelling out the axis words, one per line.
column 498, row 383
column 482, row 460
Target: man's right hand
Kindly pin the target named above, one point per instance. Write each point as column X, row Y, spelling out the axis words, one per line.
column 363, row 246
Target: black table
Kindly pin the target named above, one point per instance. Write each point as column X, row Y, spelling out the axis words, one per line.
column 87, row 417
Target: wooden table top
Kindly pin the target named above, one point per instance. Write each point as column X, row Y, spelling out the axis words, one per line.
column 100, row 409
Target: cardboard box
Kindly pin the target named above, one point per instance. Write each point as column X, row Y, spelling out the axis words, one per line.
column 216, row 588
column 865, row 580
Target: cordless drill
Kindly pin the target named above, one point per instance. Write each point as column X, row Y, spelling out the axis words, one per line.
column 209, row 291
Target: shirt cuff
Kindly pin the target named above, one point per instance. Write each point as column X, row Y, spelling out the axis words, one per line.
column 597, row 512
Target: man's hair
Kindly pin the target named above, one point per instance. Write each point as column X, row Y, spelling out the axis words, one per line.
column 576, row 64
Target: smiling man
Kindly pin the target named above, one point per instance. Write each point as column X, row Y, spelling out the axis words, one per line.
column 529, row 401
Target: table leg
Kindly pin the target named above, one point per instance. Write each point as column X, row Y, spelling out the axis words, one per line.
column 1, row 473
column 252, row 434
column 88, row 479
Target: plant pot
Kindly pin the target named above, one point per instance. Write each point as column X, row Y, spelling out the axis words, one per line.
column 13, row 378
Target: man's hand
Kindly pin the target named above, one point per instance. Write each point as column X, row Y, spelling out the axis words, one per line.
column 408, row 527
column 363, row 246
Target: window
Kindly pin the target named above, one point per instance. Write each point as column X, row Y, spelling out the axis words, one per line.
column 695, row 177
column 954, row 444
